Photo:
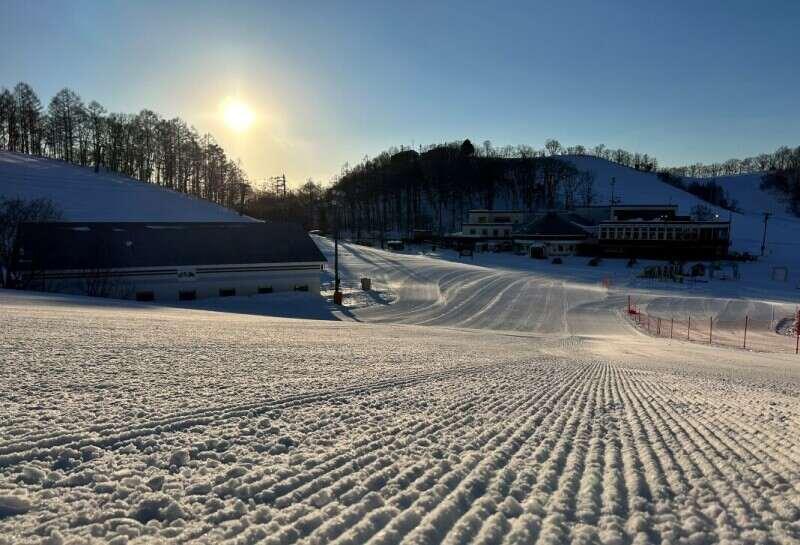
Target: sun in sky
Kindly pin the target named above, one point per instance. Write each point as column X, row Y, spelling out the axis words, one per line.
column 237, row 115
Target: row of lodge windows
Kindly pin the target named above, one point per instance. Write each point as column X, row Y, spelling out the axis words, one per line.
column 664, row 232
column 495, row 232
column 191, row 295
column 497, row 219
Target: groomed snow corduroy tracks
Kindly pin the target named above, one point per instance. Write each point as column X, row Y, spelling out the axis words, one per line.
column 128, row 423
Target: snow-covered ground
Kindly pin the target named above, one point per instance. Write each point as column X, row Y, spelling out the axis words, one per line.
column 82, row 195
column 480, row 403
column 493, row 400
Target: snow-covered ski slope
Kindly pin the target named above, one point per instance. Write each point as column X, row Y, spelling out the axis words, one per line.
column 635, row 187
column 515, row 294
column 82, row 195
column 482, row 406
column 488, row 403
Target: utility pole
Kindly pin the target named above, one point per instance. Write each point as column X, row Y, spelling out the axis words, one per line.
column 613, row 183
column 337, row 294
column 280, row 185
column 764, row 240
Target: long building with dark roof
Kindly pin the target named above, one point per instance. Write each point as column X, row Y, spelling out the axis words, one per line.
column 165, row 260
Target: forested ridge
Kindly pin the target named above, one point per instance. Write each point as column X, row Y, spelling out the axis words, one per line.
column 403, row 189
column 144, row 146
column 400, row 189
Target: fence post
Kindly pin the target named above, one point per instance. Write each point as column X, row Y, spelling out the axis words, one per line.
column 689, row 329
column 629, row 304
column 797, row 331
column 746, row 319
column 710, row 328
column 658, row 327
column 671, row 326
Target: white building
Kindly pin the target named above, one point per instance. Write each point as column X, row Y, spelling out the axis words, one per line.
column 167, row 261
column 550, row 234
column 491, row 223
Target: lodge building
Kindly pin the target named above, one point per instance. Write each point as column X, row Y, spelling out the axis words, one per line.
column 656, row 239
column 647, row 231
column 161, row 261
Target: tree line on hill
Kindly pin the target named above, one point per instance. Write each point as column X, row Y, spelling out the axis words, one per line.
column 400, row 189
column 403, row 189
column 783, row 158
column 145, row 146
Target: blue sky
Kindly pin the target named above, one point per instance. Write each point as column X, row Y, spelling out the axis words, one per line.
column 331, row 82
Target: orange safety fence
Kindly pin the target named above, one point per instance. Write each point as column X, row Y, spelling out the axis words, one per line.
column 773, row 335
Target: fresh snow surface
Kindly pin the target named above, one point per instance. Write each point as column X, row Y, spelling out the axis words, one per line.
column 486, row 403
column 637, row 187
column 82, row 195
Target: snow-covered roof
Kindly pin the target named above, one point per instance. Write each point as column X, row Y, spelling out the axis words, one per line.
column 83, row 195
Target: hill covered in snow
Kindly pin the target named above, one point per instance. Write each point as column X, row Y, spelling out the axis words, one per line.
column 83, row 195
column 631, row 186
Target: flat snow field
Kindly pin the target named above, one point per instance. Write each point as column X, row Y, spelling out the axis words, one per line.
column 479, row 406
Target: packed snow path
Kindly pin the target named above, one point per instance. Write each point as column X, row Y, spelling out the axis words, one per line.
column 442, row 293
column 548, row 300
column 139, row 424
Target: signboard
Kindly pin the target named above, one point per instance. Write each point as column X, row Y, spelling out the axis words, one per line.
column 187, row 274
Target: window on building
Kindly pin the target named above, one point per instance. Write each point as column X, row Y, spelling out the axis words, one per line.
column 303, row 287
column 145, row 296
column 472, row 231
column 502, row 219
column 484, row 232
column 227, row 292
column 494, row 232
column 187, row 295
column 482, row 219
column 264, row 289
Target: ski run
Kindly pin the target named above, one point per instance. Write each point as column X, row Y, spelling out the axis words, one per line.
column 478, row 406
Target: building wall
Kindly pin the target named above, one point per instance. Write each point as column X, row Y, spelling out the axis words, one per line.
column 666, row 231
column 491, row 230
column 644, row 212
column 495, row 216
column 548, row 248
column 167, row 285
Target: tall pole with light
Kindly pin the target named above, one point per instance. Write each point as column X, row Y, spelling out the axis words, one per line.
column 337, row 294
column 764, row 239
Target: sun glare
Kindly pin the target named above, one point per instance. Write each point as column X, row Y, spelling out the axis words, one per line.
column 238, row 116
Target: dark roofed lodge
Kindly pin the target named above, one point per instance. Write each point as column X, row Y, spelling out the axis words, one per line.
column 167, row 261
